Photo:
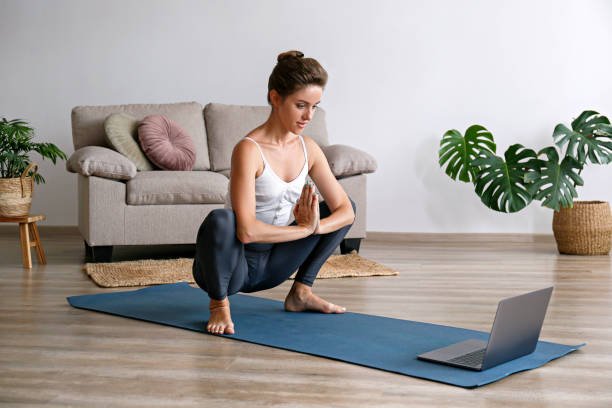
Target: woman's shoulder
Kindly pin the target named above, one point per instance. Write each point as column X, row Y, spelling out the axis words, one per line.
column 253, row 135
column 310, row 143
column 246, row 153
column 245, row 149
column 244, row 144
column 312, row 147
column 311, row 151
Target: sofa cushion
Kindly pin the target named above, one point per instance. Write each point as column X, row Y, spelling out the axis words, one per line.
column 225, row 172
column 176, row 187
column 166, row 144
column 88, row 124
column 121, row 134
column 227, row 124
column 102, row 162
column 347, row 161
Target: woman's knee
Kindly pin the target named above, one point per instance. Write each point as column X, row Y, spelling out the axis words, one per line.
column 221, row 217
column 217, row 221
column 354, row 209
column 353, row 205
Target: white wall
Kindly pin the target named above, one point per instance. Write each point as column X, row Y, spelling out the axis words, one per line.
column 401, row 73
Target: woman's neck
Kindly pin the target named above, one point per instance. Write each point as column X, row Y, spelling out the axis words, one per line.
column 275, row 132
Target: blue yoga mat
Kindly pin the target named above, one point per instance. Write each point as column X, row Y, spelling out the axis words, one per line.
column 372, row 341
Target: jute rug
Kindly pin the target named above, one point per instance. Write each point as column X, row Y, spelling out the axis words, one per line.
column 159, row 271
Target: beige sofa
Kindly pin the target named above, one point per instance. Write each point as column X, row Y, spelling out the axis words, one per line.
column 128, row 207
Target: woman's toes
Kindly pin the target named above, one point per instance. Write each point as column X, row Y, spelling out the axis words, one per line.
column 339, row 309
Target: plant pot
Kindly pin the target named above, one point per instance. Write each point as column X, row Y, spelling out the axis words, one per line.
column 585, row 229
column 16, row 194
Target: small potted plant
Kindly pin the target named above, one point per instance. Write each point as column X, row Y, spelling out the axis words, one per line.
column 16, row 184
column 509, row 184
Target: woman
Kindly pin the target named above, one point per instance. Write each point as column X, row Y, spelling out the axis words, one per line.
column 248, row 246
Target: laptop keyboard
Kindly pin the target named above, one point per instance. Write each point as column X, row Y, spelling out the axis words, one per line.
column 473, row 359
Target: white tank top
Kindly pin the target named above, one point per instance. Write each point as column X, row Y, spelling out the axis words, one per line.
column 274, row 197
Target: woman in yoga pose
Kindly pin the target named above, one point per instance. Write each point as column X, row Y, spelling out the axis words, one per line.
column 248, row 246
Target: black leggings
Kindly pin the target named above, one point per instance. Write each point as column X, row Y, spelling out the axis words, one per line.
column 224, row 266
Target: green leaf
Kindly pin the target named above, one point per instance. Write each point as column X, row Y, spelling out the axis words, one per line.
column 39, row 179
column 590, row 138
column 500, row 184
column 553, row 182
column 459, row 151
column 588, row 120
column 16, row 144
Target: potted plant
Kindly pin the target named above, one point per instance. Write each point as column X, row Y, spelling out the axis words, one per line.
column 16, row 185
column 509, row 184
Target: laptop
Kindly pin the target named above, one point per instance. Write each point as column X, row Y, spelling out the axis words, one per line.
column 515, row 333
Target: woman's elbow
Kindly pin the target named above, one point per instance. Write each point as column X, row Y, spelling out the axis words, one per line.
column 244, row 230
column 244, row 236
column 352, row 219
column 353, row 209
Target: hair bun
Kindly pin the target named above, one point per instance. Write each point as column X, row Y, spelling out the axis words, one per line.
column 290, row 54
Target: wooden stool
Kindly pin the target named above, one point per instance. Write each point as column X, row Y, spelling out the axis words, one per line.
column 27, row 225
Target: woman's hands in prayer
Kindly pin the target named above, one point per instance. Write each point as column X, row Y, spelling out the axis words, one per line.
column 306, row 210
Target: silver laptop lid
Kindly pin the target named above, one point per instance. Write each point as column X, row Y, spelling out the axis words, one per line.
column 517, row 327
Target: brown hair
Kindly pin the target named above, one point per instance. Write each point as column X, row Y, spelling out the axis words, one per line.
column 294, row 72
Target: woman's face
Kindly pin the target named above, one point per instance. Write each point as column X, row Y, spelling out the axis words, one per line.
column 298, row 108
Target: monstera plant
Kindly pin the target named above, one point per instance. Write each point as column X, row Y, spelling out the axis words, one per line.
column 551, row 175
column 510, row 183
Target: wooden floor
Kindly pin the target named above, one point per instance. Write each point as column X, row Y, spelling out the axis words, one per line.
column 53, row 354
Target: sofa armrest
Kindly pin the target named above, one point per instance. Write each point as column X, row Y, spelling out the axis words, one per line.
column 102, row 210
column 102, row 162
column 347, row 161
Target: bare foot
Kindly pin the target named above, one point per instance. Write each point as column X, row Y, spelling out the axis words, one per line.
column 220, row 320
column 300, row 299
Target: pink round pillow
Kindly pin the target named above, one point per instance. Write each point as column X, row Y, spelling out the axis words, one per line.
column 166, row 144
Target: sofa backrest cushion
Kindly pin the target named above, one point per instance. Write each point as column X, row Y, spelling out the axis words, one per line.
column 88, row 124
column 227, row 124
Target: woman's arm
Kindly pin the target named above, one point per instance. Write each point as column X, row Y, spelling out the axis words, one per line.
column 335, row 197
column 242, row 192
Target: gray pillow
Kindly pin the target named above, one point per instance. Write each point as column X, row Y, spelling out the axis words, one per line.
column 122, row 134
column 102, row 162
column 347, row 161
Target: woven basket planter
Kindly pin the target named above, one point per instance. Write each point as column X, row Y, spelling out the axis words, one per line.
column 16, row 194
column 585, row 229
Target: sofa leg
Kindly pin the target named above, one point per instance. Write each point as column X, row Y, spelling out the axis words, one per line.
column 348, row 244
column 102, row 253
column 88, row 252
